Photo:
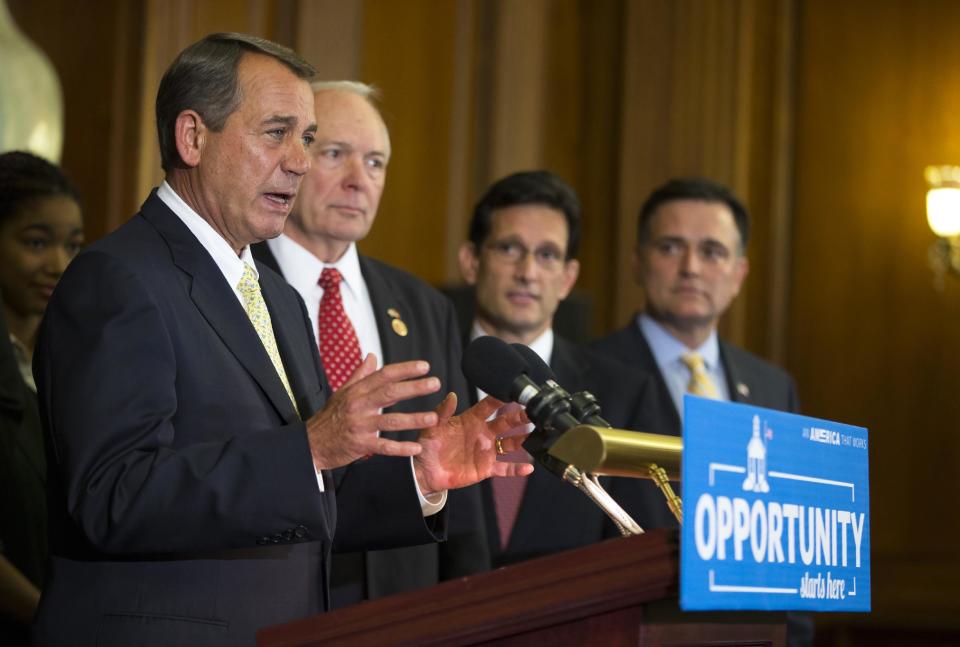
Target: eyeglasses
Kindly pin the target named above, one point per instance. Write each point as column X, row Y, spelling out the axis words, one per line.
column 547, row 257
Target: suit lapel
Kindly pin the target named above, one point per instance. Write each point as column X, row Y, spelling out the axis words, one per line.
column 737, row 385
column 218, row 304
column 665, row 403
column 294, row 349
column 28, row 435
column 386, row 303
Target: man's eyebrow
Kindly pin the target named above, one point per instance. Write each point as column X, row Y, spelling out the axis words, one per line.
column 713, row 241
column 286, row 120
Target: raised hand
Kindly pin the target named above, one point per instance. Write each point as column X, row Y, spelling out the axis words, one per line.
column 461, row 450
column 347, row 427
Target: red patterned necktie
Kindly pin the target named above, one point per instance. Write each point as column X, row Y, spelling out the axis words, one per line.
column 508, row 490
column 339, row 347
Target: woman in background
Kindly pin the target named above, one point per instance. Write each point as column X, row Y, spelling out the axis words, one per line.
column 41, row 230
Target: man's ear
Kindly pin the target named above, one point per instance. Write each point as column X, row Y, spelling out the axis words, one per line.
column 191, row 134
column 469, row 262
column 571, row 270
column 740, row 273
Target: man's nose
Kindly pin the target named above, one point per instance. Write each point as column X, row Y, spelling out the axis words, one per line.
column 526, row 266
column 690, row 263
column 297, row 160
column 355, row 176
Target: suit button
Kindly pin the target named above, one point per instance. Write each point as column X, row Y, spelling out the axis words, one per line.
column 263, row 541
column 300, row 532
column 288, row 535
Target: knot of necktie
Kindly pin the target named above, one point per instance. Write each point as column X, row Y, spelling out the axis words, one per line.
column 700, row 382
column 330, row 279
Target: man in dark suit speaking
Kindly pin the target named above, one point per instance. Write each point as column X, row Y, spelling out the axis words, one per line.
column 189, row 425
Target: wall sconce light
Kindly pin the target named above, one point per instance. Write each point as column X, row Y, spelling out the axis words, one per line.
column 943, row 216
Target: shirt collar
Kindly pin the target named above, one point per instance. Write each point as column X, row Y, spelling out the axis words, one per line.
column 667, row 349
column 349, row 267
column 223, row 255
column 542, row 345
column 300, row 267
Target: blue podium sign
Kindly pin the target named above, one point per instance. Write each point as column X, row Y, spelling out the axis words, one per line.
column 776, row 511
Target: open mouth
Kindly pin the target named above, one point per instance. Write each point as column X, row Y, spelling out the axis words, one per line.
column 282, row 199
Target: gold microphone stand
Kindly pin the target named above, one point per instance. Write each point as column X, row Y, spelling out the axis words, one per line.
column 600, row 451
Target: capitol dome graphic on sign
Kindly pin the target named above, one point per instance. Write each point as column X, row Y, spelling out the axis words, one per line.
column 756, row 480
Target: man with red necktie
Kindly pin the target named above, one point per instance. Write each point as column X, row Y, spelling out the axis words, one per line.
column 360, row 306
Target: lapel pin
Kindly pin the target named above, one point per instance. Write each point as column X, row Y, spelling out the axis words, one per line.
column 397, row 324
column 743, row 389
column 399, row 327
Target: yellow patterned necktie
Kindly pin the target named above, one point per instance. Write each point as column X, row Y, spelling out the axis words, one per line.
column 700, row 382
column 256, row 309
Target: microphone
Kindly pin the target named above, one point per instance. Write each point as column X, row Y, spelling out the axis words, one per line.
column 509, row 373
column 583, row 405
column 539, row 370
column 492, row 365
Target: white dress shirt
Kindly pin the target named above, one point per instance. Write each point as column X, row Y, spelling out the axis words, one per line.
column 542, row 346
column 302, row 270
column 667, row 351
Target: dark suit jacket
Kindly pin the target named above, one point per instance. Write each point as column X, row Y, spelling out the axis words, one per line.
column 23, row 468
column 750, row 379
column 184, row 505
column 555, row 516
column 432, row 335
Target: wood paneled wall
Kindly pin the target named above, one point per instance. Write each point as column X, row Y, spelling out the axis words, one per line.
column 820, row 114
column 869, row 338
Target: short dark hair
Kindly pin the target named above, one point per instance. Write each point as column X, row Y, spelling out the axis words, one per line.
column 693, row 188
column 528, row 187
column 203, row 77
column 24, row 178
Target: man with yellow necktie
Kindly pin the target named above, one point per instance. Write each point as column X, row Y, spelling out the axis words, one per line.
column 690, row 260
column 202, row 468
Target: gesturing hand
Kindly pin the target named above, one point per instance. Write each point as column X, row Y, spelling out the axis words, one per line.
column 461, row 450
column 347, row 427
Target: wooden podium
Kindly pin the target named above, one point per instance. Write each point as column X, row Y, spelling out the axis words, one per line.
column 619, row 592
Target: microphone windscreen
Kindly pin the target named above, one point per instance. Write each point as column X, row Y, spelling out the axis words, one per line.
column 537, row 369
column 491, row 365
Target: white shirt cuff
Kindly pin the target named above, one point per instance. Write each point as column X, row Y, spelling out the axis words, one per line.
column 431, row 504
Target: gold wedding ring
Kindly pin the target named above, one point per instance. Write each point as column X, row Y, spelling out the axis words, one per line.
column 500, row 449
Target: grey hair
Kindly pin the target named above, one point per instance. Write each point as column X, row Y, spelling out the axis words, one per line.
column 366, row 91
column 369, row 92
column 204, row 78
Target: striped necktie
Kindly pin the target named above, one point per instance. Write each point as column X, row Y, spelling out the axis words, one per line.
column 700, row 382
column 256, row 308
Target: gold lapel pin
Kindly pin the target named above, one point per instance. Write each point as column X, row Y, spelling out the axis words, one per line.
column 397, row 324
